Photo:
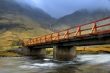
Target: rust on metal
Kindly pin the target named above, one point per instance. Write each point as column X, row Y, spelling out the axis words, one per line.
column 79, row 30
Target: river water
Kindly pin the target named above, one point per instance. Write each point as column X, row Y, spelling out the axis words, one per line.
column 99, row 63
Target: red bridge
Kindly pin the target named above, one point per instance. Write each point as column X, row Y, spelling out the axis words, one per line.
column 93, row 33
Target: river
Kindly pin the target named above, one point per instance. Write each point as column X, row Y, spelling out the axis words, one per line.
column 99, row 63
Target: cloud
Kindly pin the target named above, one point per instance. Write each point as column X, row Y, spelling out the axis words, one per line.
column 58, row 8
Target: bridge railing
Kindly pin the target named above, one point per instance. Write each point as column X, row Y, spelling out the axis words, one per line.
column 96, row 27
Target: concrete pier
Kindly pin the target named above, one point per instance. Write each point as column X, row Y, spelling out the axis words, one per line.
column 38, row 53
column 35, row 52
column 61, row 53
column 64, row 53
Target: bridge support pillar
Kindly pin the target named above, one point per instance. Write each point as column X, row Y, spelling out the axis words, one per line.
column 37, row 52
column 64, row 53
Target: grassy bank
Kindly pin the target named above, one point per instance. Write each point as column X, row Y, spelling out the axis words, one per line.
column 8, row 54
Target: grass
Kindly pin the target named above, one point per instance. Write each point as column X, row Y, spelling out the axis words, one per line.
column 27, row 28
column 8, row 54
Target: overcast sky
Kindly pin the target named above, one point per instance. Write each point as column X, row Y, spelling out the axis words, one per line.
column 58, row 8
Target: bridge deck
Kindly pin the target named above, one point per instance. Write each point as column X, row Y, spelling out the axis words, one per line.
column 94, row 30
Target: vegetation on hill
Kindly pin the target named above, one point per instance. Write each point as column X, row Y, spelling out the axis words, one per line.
column 18, row 21
column 93, row 49
column 15, row 30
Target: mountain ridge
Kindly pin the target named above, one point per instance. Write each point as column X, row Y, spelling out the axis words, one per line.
column 12, row 7
column 80, row 17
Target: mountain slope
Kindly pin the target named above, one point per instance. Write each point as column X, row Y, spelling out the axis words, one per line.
column 12, row 7
column 80, row 17
column 19, row 22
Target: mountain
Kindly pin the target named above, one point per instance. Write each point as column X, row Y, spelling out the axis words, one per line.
column 18, row 21
column 12, row 7
column 80, row 17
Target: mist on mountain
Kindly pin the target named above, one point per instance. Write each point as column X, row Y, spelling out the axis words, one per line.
column 60, row 8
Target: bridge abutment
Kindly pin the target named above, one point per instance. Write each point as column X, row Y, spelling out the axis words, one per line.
column 39, row 53
column 64, row 53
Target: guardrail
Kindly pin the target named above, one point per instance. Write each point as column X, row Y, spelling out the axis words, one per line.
column 96, row 27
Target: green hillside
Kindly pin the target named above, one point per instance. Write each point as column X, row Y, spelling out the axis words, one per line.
column 18, row 22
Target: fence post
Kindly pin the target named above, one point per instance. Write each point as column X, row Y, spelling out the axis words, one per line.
column 45, row 39
column 68, row 33
column 51, row 37
column 78, row 31
column 58, row 35
column 94, row 28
